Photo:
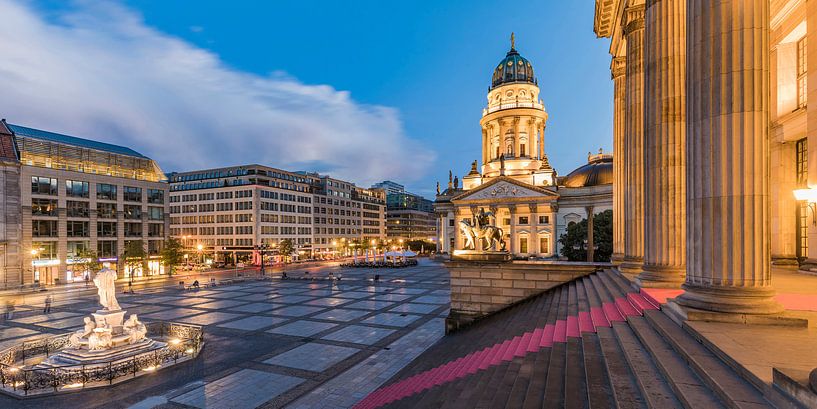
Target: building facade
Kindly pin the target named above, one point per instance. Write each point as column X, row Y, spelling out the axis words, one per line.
column 708, row 181
column 516, row 182
column 76, row 195
column 345, row 213
column 408, row 216
column 229, row 211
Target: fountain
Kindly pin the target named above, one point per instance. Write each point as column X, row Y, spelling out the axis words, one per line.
column 107, row 350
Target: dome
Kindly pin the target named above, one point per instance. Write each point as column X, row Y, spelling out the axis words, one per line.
column 597, row 171
column 513, row 68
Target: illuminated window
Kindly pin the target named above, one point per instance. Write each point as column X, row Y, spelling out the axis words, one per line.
column 801, row 168
column 801, row 72
column 523, row 244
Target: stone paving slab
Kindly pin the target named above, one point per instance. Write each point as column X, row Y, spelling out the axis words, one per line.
column 302, row 328
column 293, row 299
column 209, row 318
column 188, row 301
column 342, row 315
column 392, row 297
column 245, row 389
column 255, row 307
column 220, row 304
column 297, row 311
column 257, row 297
column 329, row 302
column 416, row 308
column 65, row 323
column 312, row 357
column 15, row 332
column 370, row 305
column 45, row 317
column 359, row 334
column 170, row 315
column 348, row 388
column 432, row 299
column 253, row 323
column 225, row 294
column 392, row 319
column 353, row 294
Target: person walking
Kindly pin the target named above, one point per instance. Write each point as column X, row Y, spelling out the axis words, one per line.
column 9, row 310
column 47, row 308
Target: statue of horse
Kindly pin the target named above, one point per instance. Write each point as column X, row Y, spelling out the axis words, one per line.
column 486, row 235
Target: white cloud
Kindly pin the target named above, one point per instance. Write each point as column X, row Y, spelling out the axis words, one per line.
column 98, row 71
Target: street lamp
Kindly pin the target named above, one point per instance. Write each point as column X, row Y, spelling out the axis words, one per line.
column 199, row 248
column 33, row 267
column 262, row 249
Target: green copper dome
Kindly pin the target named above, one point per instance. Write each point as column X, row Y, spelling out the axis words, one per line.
column 513, row 68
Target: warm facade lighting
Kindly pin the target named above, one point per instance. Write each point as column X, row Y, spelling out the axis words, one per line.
column 810, row 196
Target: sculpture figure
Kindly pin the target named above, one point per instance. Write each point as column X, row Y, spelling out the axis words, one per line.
column 105, row 282
column 135, row 329
column 438, row 188
column 482, row 232
column 101, row 337
column 74, row 339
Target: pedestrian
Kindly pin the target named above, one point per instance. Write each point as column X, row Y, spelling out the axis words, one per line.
column 9, row 310
column 87, row 279
column 47, row 308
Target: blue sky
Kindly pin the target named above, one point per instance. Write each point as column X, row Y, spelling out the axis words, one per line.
column 366, row 90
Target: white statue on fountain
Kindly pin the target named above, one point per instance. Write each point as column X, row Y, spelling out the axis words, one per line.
column 135, row 329
column 105, row 282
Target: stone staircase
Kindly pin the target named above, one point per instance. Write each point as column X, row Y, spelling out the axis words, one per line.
column 592, row 343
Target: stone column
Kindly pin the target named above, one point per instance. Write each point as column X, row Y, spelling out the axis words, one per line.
column 516, row 141
column 511, row 232
column 618, row 68
column 533, row 246
column 533, row 141
column 503, row 127
column 485, row 146
column 727, row 174
column 634, row 141
column 591, row 216
column 664, row 144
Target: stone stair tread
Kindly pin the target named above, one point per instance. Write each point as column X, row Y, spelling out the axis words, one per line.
column 622, row 380
column 654, row 388
column 575, row 389
column 689, row 389
column 733, row 389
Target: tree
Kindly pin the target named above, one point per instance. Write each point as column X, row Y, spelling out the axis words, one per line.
column 86, row 261
column 285, row 248
column 172, row 254
column 133, row 257
column 574, row 240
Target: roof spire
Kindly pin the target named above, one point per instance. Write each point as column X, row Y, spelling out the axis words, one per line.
column 513, row 41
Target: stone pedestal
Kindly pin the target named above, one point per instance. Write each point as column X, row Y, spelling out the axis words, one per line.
column 478, row 255
column 114, row 319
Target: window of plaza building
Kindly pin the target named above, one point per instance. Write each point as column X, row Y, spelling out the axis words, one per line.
column 44, row 228
column 243, row 218
column 544, row 244
column 106, row 248
column 106, row 229
column 802, row 207
column 156, row 230
column 154, row 247
column 133, row 229
column 44, row 250
column 77, row 229
column 105, row 191
column 75, row 188
column 77, row 247
column 106, row 210
column 155, row 213
column 156, row 196
column 132, row 194
column 44, row 207
column 77, row 209
column 43, row 186
column 133, row 212
column 523, row 244
column 523, row 220
column 544, row 219
column 801, row 73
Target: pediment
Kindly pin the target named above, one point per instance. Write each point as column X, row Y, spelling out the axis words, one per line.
column 505, row 188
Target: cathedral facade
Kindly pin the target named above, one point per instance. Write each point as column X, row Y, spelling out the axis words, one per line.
column 515, row 181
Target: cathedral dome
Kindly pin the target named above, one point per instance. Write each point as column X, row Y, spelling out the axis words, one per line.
column 513, row 68
column 597, row 171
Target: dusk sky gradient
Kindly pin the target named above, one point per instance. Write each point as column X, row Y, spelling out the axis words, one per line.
column 364, row 90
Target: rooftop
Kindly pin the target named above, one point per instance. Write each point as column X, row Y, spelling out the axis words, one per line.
column 72, row 140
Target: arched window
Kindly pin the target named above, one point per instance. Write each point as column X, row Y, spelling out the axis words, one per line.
column 522, row 151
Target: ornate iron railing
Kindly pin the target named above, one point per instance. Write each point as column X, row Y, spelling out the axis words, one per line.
column 68, row 377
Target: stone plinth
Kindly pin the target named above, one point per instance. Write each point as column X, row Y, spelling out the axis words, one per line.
column 479, row 288
column 477, row 255
column 114, row 319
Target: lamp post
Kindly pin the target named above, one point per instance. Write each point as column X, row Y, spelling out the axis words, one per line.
column 199, row 248
column 34, row 253
column 262, row 249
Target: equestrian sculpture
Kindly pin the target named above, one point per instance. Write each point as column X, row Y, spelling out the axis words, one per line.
column 483, row 232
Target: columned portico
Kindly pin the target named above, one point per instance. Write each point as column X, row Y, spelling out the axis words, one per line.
column 728, row 256
column 664, row 151
column 634, row 140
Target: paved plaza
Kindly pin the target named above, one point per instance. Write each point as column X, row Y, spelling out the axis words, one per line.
column 299, row 342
